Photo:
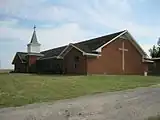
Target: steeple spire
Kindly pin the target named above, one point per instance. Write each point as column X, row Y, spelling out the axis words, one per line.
column 34, row 46
column 34, row 37
column 34, row 27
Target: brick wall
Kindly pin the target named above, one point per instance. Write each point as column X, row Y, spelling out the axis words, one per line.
column 111, row 60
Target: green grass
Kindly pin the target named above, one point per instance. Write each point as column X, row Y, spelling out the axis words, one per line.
column 5, row 71
column 21, row 89
column 154, row 118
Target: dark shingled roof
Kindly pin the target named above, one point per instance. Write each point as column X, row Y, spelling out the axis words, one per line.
column 53, row 52
column 87, row 46
column 93, row 44
column 21, row 55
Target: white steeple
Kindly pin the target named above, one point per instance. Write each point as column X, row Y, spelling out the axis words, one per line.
column 33, row 46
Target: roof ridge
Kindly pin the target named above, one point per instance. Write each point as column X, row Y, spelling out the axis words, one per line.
column 84, row 40
column 22, row 52
column 101, row 36
column 53, row 48
column 85, row 45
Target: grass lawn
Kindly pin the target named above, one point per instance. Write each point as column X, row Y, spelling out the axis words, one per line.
column 21, row 89
column 5, row 70
column 154, row 118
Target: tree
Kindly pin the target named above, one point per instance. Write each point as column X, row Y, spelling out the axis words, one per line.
column 154, row 51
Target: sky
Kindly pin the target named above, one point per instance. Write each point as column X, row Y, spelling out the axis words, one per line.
column 60, row 22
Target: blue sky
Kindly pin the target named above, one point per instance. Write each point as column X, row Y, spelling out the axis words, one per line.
column 60, row 22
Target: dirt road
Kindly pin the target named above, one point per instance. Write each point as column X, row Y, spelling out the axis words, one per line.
column 136, row 104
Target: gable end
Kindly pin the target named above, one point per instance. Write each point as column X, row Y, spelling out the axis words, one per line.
column 126, row 35
column 16, row 57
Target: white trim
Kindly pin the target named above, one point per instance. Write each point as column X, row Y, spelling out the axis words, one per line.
column 20, row 58
column 36, row 54
column 133, row 41
column 91, row 54
column 73, row 46
column 150, row 61
column 84, row 53
column 158, row 58
column 99, row 49
column 123, row 37
column 137, row 45
column 51, row 58
column 67, row 52
column 64, row 50
column 95, row 51
column 77, row 48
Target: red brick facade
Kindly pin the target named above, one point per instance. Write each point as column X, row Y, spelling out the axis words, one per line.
column 32, row 60
column 19, row 66
column 32, row 63
column 79, row 60
column 75, row 62
column 111, row 60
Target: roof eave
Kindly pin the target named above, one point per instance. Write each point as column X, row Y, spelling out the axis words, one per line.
column 147, row 60
column 136, row 44
column 56, row 57
column 99, row 49
column 19, row 58
column 91, row 54
column 158, row 58
column 36, row 54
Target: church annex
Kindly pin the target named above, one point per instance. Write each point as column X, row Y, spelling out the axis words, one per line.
column 113, row 54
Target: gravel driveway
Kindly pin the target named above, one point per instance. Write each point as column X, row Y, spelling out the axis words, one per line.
column 136, row 104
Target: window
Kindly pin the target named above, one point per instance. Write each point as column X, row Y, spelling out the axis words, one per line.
column 76, row 60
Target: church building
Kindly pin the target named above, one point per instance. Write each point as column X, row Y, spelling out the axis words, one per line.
column 112, row 54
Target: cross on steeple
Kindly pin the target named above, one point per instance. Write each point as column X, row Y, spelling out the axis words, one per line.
column 34, row 27
column 34, row 45
column 34, row 37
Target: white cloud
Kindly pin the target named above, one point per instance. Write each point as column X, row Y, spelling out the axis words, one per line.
column 13, row 33
column 112, row 14
column 35, row 10
column 62, row 35
column 48, row 37
column 146, row 47
column 73, row 17
column 8, row 22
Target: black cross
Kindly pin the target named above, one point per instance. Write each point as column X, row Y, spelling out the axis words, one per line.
column 34, row 27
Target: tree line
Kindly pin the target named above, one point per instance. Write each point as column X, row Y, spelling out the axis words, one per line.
column 155, row 50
